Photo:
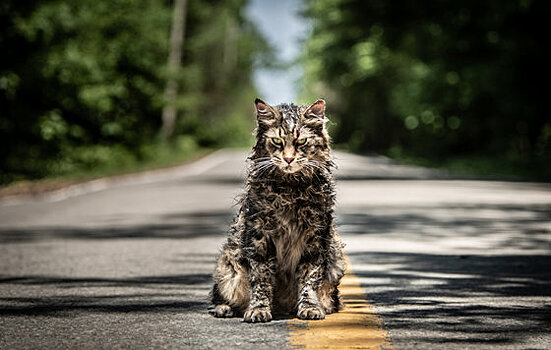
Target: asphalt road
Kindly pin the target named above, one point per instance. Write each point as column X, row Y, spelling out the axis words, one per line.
column 127, row 263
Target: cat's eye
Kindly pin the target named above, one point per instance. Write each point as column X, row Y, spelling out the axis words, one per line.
column 277, row 141
column 301, row 141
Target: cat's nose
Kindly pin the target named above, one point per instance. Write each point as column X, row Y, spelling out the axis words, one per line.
column 288, row 159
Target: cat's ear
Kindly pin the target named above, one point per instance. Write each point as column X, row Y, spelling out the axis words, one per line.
column 264, row 112
column 315, row 114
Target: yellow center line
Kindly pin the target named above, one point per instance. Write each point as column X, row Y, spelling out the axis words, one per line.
column 356, row 326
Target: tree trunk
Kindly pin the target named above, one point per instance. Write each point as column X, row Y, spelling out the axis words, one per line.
column 229, row 58
column 174, row 60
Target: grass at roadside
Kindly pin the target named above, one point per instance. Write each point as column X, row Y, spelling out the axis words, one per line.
column 113, row 163
column 494, row 168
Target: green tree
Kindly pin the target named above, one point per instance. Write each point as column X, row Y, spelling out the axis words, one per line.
column 436, row 79
column 81, row 82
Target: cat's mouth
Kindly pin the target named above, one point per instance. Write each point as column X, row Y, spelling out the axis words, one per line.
column 290, row 168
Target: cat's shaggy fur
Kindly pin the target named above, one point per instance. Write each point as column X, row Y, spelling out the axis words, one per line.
column 283, row 254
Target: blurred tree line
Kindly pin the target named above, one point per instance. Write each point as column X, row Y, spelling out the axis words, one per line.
column 81, row 82
column 435, row 79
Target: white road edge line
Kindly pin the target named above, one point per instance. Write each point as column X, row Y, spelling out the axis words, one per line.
column 193, row 169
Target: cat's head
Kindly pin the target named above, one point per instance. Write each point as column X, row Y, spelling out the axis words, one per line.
column 291, row 139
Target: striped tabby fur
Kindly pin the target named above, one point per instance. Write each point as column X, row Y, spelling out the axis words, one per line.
column 283, row 254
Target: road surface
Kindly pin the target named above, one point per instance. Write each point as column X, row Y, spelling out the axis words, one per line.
column 443, row 263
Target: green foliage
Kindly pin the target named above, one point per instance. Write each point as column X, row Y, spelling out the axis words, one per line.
column 81, row 82
column 432, row 79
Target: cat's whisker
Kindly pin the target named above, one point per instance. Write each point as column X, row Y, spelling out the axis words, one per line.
column 265, row 169
column 310, row 163
column 322, row 166
column 261, row 159
column 261, row 169
column 312, row 168
column 264, row 165
column 261, row 163
column 316, row 166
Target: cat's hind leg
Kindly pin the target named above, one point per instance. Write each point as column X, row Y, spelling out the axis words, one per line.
column 222, row 310
column 231, row 292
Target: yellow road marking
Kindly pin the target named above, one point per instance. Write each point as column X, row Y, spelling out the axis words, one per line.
column 356, row 326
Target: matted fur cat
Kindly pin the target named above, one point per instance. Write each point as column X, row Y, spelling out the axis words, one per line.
column 283, row 254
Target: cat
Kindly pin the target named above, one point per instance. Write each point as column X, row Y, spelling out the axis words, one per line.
column 283, row 254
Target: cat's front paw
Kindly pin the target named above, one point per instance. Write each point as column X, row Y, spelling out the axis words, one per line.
column 259, row 314
column 310, row 313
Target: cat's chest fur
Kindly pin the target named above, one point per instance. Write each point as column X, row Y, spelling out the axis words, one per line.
column 289, row 241
column 297, row 213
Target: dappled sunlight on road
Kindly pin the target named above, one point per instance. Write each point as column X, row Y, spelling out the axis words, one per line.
column 436, row 263
column 431, row 299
